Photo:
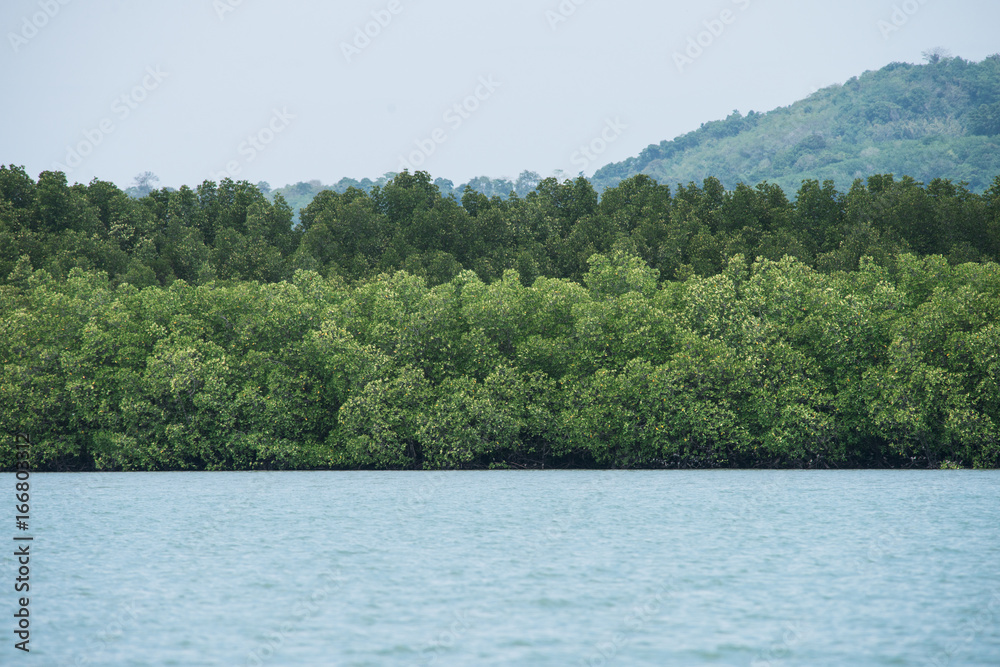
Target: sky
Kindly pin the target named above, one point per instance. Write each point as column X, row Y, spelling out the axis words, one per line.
column 289, row 91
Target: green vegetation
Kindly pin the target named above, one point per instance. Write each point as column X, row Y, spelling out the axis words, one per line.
column 400, row 328
column 302, row 194
column 939, row 120
column 231, row 231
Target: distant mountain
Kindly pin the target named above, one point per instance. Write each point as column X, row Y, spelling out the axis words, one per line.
column 938, row 120
column 301, row 194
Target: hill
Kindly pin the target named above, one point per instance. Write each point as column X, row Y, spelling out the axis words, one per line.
column 938, row 120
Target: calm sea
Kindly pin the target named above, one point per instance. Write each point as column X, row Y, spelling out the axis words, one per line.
column 510, row 568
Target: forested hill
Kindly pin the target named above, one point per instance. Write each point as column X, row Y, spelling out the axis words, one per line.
column 938, row 120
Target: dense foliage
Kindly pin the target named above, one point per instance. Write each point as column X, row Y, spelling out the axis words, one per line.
column 399, row 328
column 299, row 195
column 773, row 364
column 939, row 120
column 231, row 231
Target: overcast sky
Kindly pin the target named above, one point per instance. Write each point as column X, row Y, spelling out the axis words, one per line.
column 296, row 90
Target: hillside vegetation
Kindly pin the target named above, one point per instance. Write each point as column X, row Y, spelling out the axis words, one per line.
column 938, row 120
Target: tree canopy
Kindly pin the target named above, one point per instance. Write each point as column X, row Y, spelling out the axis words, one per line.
column 400, row 328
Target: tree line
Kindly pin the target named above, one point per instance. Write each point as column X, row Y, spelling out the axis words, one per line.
column 197, row 329
column 230, row 231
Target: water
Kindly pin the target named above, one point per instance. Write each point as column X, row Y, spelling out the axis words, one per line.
column 513, row 568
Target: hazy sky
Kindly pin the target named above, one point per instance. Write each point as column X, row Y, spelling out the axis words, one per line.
column 296, row 90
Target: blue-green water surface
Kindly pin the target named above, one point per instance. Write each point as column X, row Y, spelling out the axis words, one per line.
column 511, row 568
